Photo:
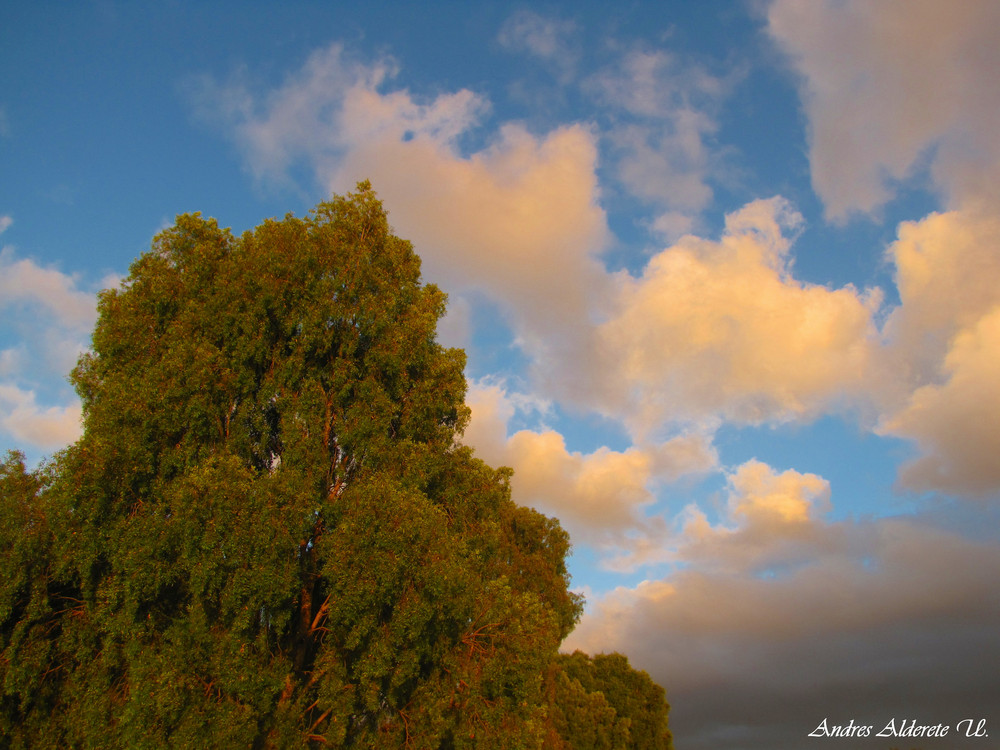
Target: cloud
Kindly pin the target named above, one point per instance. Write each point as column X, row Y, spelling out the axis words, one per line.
column 44, row 428
column 957, row 424
column 712, row 330
column 666, row 168
column 721, row 329
column 23, row 282
column 655, row 84
column 44, row 309
column 947, row 273
column 665, row 115
column 506, row 220
column 600, row 497
column 892, row 87
column 5, row 222
column 782, row 619
column 941, row 350
column 322, row 111
column 10, row 361
column 454, row 329
column 896, row 91
column 548, row 39
column 770, row 523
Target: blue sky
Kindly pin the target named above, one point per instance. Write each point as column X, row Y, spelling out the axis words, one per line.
column 727, row 274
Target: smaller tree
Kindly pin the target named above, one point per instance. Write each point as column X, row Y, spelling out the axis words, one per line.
column 602, row 702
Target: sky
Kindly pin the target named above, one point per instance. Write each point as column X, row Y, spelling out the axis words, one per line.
column 727, row 274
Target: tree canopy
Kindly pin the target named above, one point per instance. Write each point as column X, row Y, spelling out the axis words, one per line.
column 269, row 535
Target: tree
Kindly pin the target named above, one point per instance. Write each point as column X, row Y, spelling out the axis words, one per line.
column 268, row 535
column 602, row 702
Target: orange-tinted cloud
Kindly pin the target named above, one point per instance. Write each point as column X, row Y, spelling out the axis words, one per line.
column 600, row 496
column 957, row 423
column 942, row 351
column 723, row 329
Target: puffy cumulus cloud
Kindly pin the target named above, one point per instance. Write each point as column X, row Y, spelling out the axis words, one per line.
column 942, row 351
column 753, row 657
column 722, row 329
column 892, row 86
column 759, row 495
column 507, row 220
column 600, row 496
column 947, row 271
column 770, row 523
column 660, row 138
column 43, row 428
column 957, row 423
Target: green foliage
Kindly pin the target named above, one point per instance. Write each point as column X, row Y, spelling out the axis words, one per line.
column 601, row 702
column 267, row 535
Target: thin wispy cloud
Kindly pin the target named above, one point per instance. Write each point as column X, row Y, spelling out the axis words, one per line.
column 550, row 40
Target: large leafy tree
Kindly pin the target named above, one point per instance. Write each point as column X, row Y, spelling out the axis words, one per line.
column 268, row 535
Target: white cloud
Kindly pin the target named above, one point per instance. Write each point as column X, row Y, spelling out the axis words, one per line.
column 5, row 222
column 666, row 168
column 892, row 86
column 711, row 331
column 548, row 39
column 660, row 136
column 655, row 84
column 507, row 222
column 770, row 522
column 23, row 282
column 44, row 309
column 947, row 272
column 11, row 361
column 454, row 329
